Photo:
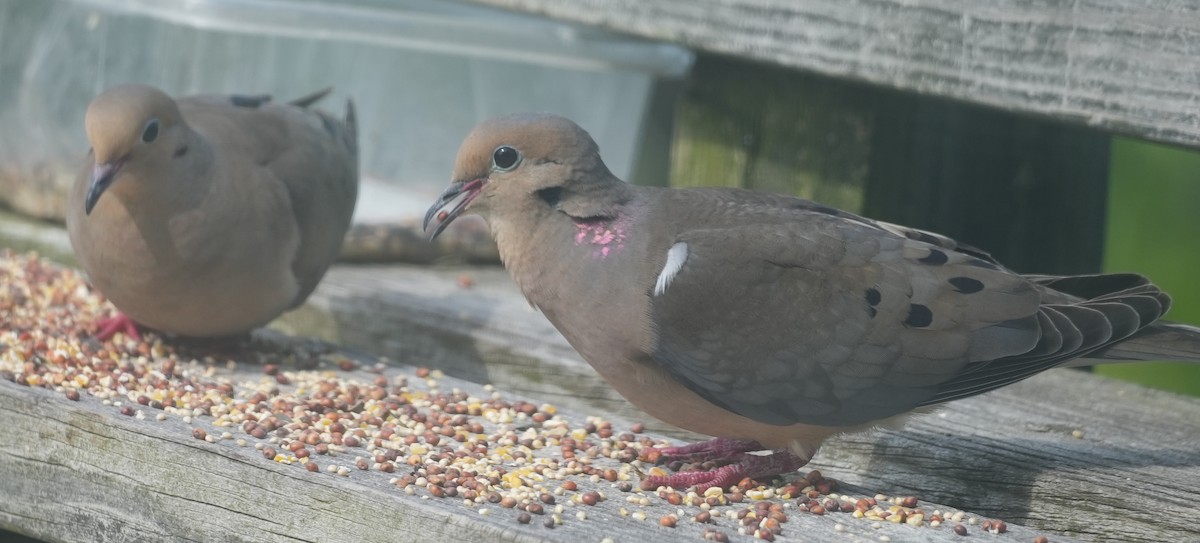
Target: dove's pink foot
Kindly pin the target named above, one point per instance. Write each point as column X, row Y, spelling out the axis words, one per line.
column 747, row 465
column 714, row 449
column 120, row 323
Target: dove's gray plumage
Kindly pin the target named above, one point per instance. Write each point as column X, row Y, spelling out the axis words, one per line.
column 769, row 318
column 211, row 215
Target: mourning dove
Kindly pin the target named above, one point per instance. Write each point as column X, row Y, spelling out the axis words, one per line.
column 768, row 321
column 210, row 215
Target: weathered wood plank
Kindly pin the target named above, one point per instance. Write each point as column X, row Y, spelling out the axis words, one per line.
column 132, row 441
column 1126, row 66
column 81, row 472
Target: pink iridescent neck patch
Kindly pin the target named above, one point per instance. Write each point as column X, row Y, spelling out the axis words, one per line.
column 606, row 236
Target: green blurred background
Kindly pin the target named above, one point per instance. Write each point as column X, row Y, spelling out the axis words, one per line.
column 1154, row 229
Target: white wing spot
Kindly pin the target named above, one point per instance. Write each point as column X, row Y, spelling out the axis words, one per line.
column 676, row 256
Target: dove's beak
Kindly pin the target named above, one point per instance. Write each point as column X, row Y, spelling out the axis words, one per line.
column 450, row 205
column 102, row 177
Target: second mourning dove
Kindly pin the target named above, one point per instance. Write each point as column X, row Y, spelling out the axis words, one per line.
column 767, row 321
column 210, row 215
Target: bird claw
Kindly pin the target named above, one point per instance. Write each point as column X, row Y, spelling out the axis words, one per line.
column 723, row 477
column 120, row 323
column 717, row 449
column 751, row 466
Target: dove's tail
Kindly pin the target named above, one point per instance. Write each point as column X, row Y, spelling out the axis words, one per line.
column 1167, row 341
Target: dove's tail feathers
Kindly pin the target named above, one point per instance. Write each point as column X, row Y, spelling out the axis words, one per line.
column 1107, row 317
column 1167, row 341
column 1153, row 340
column 311, row 98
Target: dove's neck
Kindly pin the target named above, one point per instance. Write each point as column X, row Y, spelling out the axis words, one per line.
column 552, row 245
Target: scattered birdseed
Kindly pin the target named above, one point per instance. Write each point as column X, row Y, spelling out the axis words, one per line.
column 305, row 403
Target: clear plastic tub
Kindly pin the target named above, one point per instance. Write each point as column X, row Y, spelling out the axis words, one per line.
column 421, row 73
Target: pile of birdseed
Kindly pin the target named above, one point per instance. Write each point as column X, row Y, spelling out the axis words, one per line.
column 324, row 412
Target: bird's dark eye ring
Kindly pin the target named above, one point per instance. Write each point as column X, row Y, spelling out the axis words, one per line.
column 150, row 133
column 505, row 158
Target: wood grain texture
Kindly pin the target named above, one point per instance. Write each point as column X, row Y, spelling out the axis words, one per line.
column 1125, row 65
column 78, row 471
column 74, row 472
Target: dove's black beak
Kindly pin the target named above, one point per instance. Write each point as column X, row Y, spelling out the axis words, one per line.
column 450, row 205
column 102, row 177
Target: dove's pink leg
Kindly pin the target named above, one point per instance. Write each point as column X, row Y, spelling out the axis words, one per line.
column 714, row 449
column 747, row 465
column 120, row 323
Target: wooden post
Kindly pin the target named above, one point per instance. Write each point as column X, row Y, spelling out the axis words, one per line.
column 754, row 125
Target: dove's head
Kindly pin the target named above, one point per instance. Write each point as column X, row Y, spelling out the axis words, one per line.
column 520, row 167
column 132, row 129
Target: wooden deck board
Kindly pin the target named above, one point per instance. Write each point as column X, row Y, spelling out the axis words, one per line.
column 80, row 471
column 1124, row 66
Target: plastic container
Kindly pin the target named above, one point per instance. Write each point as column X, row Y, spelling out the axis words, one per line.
column 421, row 74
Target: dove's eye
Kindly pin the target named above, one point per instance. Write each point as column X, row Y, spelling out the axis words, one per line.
column 505, row 158
column 150, row 133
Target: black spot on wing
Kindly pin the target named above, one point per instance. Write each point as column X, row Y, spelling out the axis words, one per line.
column 245, row 100
column 919, row 316
column 871, row 312
column 966, row 285
column 936, row 257
column 873, row 296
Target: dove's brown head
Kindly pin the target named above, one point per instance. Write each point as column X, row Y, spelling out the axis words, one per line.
column 133, row 129
column 521, row 165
